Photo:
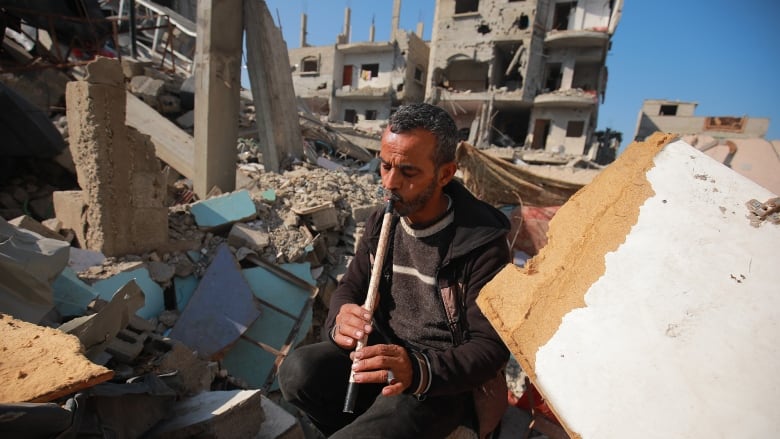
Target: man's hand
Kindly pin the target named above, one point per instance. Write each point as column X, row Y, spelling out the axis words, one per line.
column 373, row 364
column 352, row 323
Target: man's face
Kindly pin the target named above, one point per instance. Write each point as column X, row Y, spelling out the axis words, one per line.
column 408, row 171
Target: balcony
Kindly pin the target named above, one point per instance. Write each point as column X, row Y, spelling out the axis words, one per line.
column 576, row 38
column 574, row 97
column 364, row 93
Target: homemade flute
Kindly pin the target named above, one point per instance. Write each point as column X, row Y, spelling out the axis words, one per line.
column 370, row 303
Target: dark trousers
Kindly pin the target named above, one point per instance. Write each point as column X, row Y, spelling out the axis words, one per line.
column 314, row 379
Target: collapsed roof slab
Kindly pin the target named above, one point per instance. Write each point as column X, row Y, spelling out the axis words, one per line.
column 653, row 307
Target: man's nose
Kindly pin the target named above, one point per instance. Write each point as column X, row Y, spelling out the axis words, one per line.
column 391, row 179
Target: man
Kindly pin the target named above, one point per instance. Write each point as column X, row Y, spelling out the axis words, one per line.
column 417, row 373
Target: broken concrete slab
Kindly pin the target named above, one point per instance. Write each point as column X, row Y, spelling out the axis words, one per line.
column 29, row 223
column 278, row 424
column 321, row 217
column 184, row 371
column 655, row 282
column 224, row 209
column 242, row 235
column 30, row 263
column 220, row 310
column 28, row 371
column 219, row 414
column 154, row 298
column 96, row 331
column 131, row 409
column 81, row 259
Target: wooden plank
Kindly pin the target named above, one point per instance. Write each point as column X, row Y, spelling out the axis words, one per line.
column 172, row 145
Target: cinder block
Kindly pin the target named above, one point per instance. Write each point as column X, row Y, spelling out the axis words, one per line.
column 29, row 223
column 217, row 414
column 224, row 209
column 319, row 218
column 69, row 207
column 241, row 235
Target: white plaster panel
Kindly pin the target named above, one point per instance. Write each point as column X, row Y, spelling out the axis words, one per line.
column 680, row 338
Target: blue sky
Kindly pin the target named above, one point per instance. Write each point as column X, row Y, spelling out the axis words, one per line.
column 723, row 55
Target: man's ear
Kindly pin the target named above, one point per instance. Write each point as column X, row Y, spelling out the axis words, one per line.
column 446, row 173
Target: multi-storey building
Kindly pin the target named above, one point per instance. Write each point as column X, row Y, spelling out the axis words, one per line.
column 364, row 81
column 522, row 72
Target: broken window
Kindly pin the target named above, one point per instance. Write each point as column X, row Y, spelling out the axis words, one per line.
column 668, row 110
column 509, row 61
column 368, row 71
column 350, row 116
column 541, row 132
column 418, row 74
column 310, row 65
column 522, row 21
column 563, row 15
column 465, row 6
column 465, row 74
column 370, row 114
column 575, row 128
column 554, row 78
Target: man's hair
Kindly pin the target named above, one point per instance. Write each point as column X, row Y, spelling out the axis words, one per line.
column 431, row 118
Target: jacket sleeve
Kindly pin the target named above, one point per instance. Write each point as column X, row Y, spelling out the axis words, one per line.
column 483, row 353
column 353, row 287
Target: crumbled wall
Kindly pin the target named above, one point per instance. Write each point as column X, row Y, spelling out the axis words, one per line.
column 117, row 169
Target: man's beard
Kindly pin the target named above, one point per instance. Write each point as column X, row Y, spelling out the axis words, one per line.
column 408, row 207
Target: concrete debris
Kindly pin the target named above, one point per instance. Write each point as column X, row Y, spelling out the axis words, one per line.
column 189, row 301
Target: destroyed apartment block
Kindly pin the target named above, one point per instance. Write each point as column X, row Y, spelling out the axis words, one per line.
column 522, row 74
column 738, row 142
column 361, row 82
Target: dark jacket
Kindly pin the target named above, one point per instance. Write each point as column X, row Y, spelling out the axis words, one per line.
column 478, row 250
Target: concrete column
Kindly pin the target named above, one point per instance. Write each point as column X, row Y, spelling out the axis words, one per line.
column 303, row 30
column 396, row 19
column 217, row 87
column 420, row 29
column 371, row 32
column 347, row 24
column 567, row 71
column 272, row 88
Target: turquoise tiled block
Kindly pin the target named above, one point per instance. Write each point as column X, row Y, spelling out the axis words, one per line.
column 224, row 209
column 272, row 289
column 184, row 288
column 271, row 328
column 71, row 294
column 249, row 362
column 154, row 299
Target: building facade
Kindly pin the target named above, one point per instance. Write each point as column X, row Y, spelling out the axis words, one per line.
column 364, row 81
column 522, row 73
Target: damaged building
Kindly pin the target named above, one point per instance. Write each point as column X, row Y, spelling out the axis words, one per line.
column 522, row 73
column 738, row 142
column 359, row 82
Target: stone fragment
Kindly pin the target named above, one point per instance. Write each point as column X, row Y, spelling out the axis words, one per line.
column 241, row 235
